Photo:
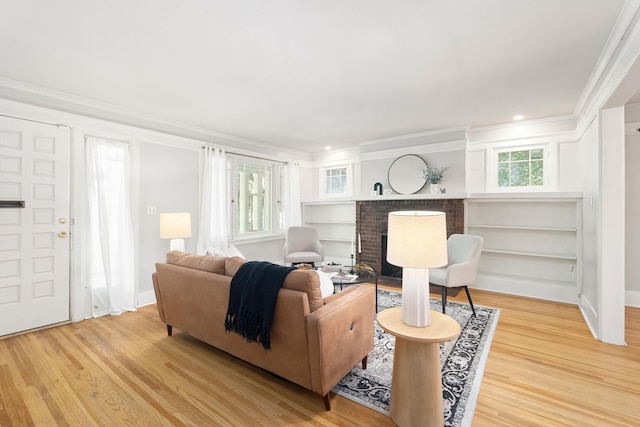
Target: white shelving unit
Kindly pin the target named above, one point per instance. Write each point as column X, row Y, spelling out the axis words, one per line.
column 531, row 245
column 336, row 225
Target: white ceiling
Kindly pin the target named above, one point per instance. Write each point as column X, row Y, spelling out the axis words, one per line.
column 305, row 74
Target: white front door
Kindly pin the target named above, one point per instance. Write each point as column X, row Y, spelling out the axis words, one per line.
column 34, row 235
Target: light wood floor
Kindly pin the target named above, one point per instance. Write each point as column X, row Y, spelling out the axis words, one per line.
column 544, row 369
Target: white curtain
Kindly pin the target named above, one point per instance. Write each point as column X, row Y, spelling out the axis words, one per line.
column 212, row 232
column 293, row 210
column 110, row 253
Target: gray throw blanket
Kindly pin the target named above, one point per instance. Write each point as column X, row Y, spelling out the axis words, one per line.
column 252, row 300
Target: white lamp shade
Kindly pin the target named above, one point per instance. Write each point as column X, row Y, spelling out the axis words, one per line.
column 417, row 239
column 175, row 225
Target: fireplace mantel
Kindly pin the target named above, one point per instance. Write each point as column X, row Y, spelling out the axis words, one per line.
column 419, row 196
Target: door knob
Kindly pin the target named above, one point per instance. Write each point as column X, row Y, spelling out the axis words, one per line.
column 62, row 234
column 62, row 220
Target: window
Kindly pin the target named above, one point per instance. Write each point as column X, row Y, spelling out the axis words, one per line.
column 256, row 189
column 521, row 168
column 335, row 181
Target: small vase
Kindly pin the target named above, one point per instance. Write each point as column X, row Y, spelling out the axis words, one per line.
column 435, row 188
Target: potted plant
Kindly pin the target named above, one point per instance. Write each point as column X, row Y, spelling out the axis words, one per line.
column 433, row 176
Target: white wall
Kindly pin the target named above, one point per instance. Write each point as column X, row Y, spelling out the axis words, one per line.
column 632, row 218
column 165, row 174
column 375, row 165
column 168, row 180
column 632, row 205
column 558, row 135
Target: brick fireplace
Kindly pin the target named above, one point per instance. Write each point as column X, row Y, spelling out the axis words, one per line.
column 371, row 223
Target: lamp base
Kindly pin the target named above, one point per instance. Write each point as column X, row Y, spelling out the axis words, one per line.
column 415, row 297
column 176, row 245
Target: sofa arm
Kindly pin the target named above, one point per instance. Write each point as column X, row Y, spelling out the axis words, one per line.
column 156, row 289
column 340, row 335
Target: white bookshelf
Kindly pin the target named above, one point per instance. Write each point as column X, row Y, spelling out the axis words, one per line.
column 336, row 225
column 531, row 245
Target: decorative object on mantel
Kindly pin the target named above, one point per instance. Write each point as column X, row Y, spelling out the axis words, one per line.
column 405, row 174
column 378, row 188
column 433, row 176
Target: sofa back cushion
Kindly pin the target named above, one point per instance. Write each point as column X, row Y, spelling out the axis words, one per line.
column 211, row 264
column 298, row 280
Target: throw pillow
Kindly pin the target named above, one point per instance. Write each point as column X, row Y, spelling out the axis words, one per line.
column 326, row 285
column 233, row 251
column 211, row 251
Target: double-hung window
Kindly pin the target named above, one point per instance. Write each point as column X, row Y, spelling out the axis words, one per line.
column 256, row 194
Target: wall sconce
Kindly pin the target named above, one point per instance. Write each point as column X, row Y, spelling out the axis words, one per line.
column 416, row 241
column 175, row 226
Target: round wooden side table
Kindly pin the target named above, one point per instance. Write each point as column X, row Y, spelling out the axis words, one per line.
column 416, row 384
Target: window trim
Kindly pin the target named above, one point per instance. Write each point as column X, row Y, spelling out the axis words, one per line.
column 549, row 168
column 322, row 184
column 277, row 176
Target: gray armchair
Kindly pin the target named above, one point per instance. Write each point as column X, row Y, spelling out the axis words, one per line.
column 463, row 251
column 302, row 244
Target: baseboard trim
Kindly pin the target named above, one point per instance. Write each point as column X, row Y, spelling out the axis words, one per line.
column 525, row 287
column 632, row 298
column 146, row 298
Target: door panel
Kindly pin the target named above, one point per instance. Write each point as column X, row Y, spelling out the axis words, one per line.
column 34, row 239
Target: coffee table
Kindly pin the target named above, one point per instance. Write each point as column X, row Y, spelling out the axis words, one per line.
column 364, row 276
column 416, row 382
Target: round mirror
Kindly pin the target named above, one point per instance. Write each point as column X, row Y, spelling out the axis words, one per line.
column 405, row 174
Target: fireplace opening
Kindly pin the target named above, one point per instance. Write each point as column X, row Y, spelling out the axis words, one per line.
column 388, row 270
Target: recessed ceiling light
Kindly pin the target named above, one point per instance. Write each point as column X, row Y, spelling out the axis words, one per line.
column 327, row 148
column 518, row 117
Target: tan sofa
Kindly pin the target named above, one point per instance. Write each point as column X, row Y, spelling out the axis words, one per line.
column 315, row 342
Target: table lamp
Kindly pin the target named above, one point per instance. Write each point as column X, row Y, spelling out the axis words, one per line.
column 416, row 241
column 175, row 226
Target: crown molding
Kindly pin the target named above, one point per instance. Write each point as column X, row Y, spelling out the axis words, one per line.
column 38, row 96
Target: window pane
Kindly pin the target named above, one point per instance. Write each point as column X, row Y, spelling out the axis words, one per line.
column 520, row 155
column 336, row 180
column 537, row 172
column 519, row 174
column 521, row 168
column 254, row 198
column 503, row 175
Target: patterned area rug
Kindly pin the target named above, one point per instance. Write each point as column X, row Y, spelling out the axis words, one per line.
column 462, row 360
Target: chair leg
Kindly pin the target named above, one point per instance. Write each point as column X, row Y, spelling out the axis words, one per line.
column 364, row 362
column 444, row 298
column 466, row 288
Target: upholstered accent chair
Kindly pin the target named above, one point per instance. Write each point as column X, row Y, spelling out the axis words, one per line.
column 302, row 245
column 463, row 251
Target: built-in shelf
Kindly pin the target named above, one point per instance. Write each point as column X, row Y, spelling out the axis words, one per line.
column 335, row 221
column 331, row 222
column 328, row 239
column 533, row 238
column 530, row 254
column 519, row 227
